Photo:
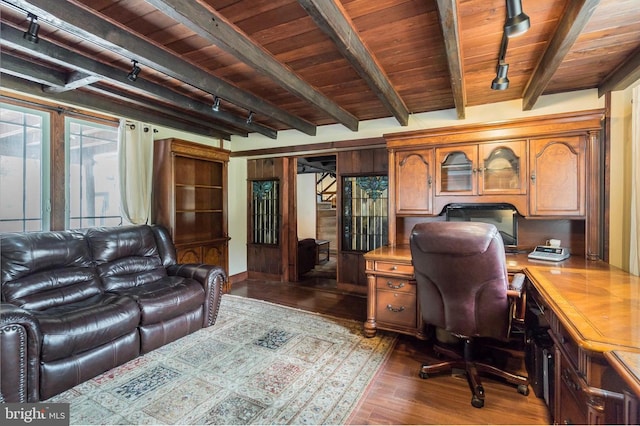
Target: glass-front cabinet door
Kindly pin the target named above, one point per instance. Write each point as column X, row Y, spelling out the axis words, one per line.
column 502, row 168
column 456, row 168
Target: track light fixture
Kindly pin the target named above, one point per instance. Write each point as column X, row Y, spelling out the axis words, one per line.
column 501, row 82
column 31, row 34
column 517, row 22
column 216, row 104
column 133, row 74
column 250, row 117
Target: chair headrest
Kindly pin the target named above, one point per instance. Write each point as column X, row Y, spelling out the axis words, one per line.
column 455, row 238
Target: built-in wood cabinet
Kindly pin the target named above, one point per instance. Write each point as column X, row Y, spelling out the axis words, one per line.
column 558, row 176
column 414, row 174
column 497, row 168
column 543, row 166
column 190, row 199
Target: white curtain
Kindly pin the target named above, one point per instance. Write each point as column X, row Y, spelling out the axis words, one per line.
column 135, row 158
column 634, row 252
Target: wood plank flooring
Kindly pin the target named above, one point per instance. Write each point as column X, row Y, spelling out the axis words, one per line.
column 398, row 395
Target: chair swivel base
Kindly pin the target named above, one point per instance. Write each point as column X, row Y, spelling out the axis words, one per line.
column 472, row 371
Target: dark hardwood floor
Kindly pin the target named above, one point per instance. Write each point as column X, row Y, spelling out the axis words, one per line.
column 398, row 395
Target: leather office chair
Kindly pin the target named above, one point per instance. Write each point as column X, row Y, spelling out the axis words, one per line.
column 463, row 289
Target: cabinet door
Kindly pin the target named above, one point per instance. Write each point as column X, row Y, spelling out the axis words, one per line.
column 558, row 176
column 456, row 170
column 414, row 180
column 502, row 168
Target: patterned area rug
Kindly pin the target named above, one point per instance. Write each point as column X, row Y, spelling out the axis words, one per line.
column 260, row 364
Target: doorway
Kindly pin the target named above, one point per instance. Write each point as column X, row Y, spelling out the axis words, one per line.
column 317, row 230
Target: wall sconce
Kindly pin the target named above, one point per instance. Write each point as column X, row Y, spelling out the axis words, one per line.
column 31, row 35
column 216, row 104
column 517, row 22
column 250, row 117
column 133, row 74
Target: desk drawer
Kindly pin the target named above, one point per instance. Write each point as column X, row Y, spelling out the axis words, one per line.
column 395, row 284
column 396, row 268
column 396, row 308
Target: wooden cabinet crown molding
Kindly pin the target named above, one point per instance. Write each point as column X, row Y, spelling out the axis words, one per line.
column 575, row 122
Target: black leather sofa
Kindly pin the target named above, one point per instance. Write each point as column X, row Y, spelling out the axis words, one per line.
column 77, row 303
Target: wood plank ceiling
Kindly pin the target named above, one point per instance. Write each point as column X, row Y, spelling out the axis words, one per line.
column 300, row 64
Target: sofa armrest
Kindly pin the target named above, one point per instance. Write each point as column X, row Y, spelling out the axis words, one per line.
column 212, row 279
column 20, row 340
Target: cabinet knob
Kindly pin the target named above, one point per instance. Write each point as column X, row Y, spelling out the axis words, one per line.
column 394, row 268
column 429, row 180
column 533, row 177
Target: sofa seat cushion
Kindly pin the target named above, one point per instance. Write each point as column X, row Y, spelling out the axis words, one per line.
column 76, row 327
column 166, row 298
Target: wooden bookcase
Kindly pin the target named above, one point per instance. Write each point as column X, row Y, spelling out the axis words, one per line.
column 190, row 199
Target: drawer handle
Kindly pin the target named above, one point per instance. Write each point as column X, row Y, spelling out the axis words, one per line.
column 394, row 268
column 391, row 285
column 566, row 377
column 392, row 309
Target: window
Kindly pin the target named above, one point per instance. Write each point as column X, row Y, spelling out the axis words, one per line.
column 24, row 169
column 365, row 212
column 265, row 212
column 93, row 190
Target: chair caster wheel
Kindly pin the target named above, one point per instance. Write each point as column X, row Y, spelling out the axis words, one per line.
column 477, row 402
column 424, row 375
column 523, row 389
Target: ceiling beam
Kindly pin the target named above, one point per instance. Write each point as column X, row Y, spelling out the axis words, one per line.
column 99, row 103
column 623, row 76
column 572, row 22
column 333, row 20
column 74, row 80
column 448, row 12
column 47, row 51
column 17, row 67
column 213, row 26
column 118, row 39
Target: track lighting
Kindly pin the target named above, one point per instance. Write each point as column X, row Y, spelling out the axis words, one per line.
column 501, row 82
column 216, row 104
column 31, row 34
column 133, row 74
column 517, row 22
column 250, row 117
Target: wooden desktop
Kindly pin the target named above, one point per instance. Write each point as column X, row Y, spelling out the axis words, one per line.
column 592, row 308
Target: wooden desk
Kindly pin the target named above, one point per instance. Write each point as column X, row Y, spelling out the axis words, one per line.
column 592, row 308
column 627, row 364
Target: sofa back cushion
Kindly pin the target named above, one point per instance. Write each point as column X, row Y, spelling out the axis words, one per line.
column 41, row 270
column 125, row 256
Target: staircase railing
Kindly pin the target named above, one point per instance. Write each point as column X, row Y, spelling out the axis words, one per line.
column 326, row 186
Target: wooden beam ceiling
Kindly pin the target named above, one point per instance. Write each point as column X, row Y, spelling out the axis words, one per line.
column 12, row 37
column 213, row 26
column 447, row 10
column 624, row 76
column 81, row 23
column 573, row 21
column 332, row 19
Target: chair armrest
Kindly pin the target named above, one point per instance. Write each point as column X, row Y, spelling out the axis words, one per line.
column 518, row 297
column 517, row 282
column 20, row 340
column 212, row 279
